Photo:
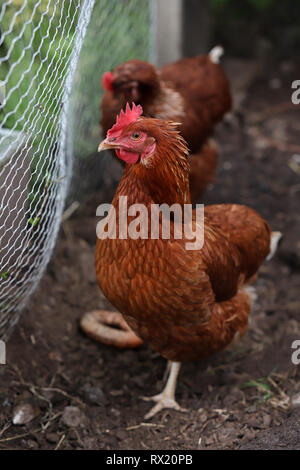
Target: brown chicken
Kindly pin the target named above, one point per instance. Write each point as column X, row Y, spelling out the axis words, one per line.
column 186, row 304
column 193, row 91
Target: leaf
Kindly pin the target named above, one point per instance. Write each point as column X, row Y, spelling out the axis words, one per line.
column 34, row 222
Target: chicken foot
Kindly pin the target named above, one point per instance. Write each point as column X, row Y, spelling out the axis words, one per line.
column 109, row 328
column 166, row 399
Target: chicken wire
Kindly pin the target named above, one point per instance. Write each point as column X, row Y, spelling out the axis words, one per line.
column 42, row 130
column 118, row 31
column 40, row 43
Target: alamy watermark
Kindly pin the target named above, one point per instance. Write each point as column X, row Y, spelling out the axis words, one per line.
column 2, row 352
column 296, row 354
column 2, row 93
column 159, row 221
column 296, row 94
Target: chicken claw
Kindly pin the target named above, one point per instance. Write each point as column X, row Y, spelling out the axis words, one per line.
column 166, row 399
column 163, row 402
column 101, row 326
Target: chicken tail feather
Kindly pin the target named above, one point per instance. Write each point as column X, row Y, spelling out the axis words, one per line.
column 251, row 292
column 215, row 54
column 275, row 239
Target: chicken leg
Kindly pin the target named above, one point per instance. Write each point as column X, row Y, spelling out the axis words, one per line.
column 166, row 399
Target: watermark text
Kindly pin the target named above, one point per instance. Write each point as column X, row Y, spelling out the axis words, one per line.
column 156, row 221
column 296, row 93
column 2, row 352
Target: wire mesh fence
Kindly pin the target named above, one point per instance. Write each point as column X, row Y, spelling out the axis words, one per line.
column 118, row 31
column 41, row 128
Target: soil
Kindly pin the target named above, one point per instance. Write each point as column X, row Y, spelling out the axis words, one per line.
column 77, row 394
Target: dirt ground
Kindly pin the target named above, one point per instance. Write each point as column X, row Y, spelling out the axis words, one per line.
column 77, row 394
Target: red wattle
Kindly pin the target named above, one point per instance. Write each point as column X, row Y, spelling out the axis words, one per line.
column 128, row 157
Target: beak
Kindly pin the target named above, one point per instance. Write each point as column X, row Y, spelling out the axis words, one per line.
column 106, row 145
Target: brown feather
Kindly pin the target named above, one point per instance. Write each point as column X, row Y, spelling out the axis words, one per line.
column 194, row 92
column 185, row 304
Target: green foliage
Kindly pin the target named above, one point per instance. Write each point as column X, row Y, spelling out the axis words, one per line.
column 36, row 53
column 34, row 221
column 118, row 31
column 34, row 59
column 261, row 386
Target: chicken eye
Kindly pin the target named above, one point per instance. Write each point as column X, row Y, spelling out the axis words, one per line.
column 136, row 136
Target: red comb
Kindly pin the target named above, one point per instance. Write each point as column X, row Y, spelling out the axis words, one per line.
column 125, row 118
column 107, row 81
